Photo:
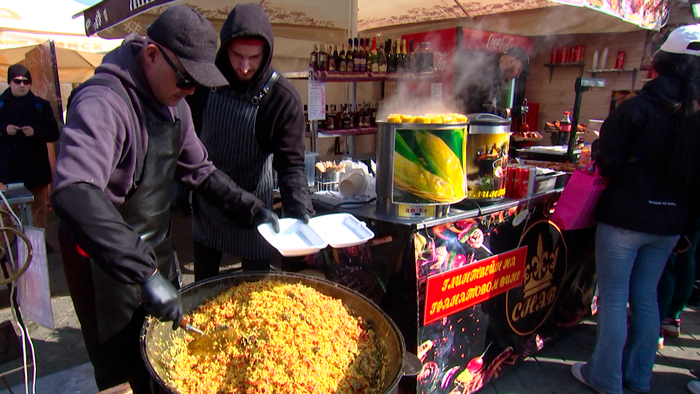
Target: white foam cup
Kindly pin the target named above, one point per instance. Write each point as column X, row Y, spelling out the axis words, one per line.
column 352, row 184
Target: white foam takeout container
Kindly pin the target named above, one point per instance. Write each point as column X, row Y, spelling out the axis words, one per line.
column 339, row 230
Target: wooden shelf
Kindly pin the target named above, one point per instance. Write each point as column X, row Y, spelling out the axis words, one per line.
column 343, row 132
column 634, row 72
column 337, row 76
column 552, row 66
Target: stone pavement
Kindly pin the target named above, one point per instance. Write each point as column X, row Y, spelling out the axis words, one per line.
column 63, row 367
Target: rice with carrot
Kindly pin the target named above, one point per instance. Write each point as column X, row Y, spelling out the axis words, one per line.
column 289, row 338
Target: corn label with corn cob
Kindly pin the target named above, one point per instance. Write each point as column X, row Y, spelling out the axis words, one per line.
column 429, row 166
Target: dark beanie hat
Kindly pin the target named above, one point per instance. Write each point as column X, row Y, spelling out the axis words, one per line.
column 18, row 70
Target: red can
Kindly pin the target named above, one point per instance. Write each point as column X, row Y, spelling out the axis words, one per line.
column 564, row 55
column 620, row 60
column 511, row 173
column 523, row 181
column 555, row 55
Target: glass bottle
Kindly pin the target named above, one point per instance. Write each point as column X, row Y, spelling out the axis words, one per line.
column 332, row 56
column 342, row 66
column 381, row 57
column 313, row 58
column 322, row 58
column 349, row 56
column 363, row 56
column 346, row 118
column 330, row 118
column 374, row 55
column 356, row 55
column 390, row 58
column 411, row 58
column 424, row 57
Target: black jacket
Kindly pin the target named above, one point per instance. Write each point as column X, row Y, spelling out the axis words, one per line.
column 26, row 159
column 636, row 144
column 280, row 124
column 478, row 81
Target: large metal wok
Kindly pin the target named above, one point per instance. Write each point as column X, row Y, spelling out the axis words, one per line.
column 156, row 335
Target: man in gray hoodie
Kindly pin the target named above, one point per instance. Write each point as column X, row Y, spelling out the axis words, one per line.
column 128, row 137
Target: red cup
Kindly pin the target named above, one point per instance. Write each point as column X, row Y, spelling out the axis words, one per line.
column 620, row 60
column 564, row 55
column 555, row 55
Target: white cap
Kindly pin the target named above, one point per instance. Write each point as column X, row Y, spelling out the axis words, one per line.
column 679, row 39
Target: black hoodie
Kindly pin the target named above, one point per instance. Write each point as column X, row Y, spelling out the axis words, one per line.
column 280, row 124
column 636, row 144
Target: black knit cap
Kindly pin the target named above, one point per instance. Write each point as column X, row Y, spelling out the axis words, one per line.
column 520, row 54
column 18, row 70
column 193, row 39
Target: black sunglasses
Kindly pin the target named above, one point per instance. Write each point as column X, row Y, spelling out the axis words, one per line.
column 19, row 81
column 182, row 83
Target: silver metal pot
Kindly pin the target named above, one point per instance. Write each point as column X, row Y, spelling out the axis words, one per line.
column 387, row 204
column 155, row 334
column 487, row 154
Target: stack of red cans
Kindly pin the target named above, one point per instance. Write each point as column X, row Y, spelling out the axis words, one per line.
column 518, row 181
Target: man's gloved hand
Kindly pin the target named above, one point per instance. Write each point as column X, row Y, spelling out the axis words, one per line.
column 181, row 199
column 265, row 215
column 161, row 299
column 304, row 217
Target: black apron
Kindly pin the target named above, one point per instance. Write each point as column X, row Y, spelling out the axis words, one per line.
column 147, row 210
column 228, row 133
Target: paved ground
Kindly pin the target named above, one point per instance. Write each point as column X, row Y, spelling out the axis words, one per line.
column 63, row 368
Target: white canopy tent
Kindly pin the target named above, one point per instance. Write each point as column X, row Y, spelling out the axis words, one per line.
column 334, row 20
column 73, row 66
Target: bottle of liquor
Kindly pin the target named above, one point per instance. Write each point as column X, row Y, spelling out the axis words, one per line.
column 374, row 56
column 342, row 66
column 356, row 55
column 330, row 118
column 322, row 58
column 411, row 58
column 373, row 114
column 404, row 56
column 313, row 58
column 390, row 58
column 346, row 121
column 363, row 56
column 332, row 57
column 381, row 57
column 356, row 116
column 349, row 60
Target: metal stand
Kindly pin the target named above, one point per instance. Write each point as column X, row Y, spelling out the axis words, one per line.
column 581, row 85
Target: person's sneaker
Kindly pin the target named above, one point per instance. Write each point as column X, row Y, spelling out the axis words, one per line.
column 671, row 327
column 694, row 386
column 576, row 371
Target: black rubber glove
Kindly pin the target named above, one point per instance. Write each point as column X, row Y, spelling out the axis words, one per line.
column 181, row 199
column 265, row 215
column 161, row 299
column 304, row 217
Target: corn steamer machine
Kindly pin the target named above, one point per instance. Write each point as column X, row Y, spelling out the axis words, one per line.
column 420, row 167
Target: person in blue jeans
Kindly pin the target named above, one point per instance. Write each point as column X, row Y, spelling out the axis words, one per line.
column 650, row 153
column 676, row 286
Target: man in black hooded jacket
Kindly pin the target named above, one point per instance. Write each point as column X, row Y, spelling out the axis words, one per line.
column 250, row 127
column 27, row 123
